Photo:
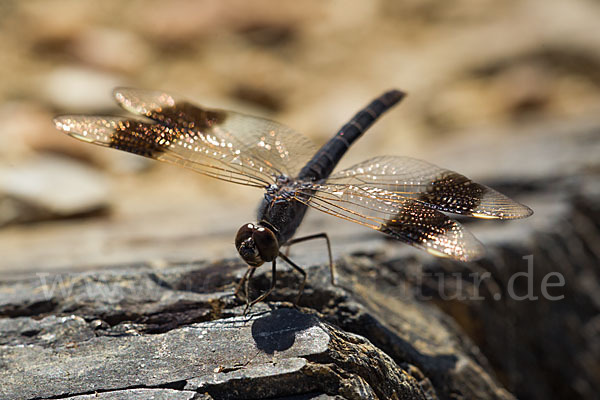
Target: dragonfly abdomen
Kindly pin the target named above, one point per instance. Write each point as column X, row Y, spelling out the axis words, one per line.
column 325, row 160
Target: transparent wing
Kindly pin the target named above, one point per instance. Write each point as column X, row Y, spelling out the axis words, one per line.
column 408, row 220
column 397, row 179
column 404, row 197
column 222, row 144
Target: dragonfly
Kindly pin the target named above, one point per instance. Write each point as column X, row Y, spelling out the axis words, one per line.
column 402, row 197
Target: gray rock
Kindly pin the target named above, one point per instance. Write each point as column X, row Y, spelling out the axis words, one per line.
column 173, row 329
column 140, row 394
column 269, row 353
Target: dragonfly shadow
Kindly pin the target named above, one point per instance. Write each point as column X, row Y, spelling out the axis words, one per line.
column 277, row 330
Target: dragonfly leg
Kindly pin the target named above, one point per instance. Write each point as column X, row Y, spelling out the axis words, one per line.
column 268, row 292
column 311, row 237
column 247, row 290
column 297, row 268
column 244, row 279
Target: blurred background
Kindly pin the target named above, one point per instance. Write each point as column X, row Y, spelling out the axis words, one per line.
column 506, row 92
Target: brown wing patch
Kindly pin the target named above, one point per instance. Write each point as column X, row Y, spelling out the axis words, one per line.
column 168, row 109
column 453, row 192
column 188, row 116
column 140, row 138
column 426, row 228
column 412, row 218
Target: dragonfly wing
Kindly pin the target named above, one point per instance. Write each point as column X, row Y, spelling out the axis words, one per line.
column 178, row 146
column 221, row 144
column 395, row 179
column 409, row 221
column 279, row 147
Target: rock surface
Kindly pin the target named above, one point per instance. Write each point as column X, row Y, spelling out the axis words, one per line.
column 116, row 331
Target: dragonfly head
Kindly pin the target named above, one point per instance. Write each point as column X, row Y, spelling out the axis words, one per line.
column 256, row 244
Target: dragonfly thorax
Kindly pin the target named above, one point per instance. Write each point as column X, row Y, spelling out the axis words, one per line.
column 256, row 244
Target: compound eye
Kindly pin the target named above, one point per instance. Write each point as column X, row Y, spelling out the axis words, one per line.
column 243, row 234
column 267, row 244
